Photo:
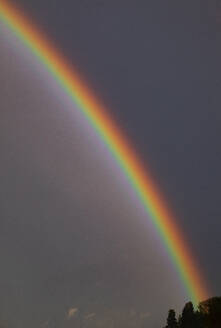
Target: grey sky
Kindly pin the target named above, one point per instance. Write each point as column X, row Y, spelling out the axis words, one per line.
column 72, row 234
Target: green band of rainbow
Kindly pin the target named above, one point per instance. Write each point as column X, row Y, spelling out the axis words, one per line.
column 138, row 176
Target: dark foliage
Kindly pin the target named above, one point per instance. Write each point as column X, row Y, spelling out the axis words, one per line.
column 208, row 315
column 171, row 320
column 188, row 318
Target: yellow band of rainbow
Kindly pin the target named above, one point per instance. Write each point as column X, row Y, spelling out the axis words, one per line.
column 138, row 175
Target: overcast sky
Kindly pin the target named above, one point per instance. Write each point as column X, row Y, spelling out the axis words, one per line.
column 75, row 243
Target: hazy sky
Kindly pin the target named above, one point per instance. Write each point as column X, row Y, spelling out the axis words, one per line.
column 75, row 243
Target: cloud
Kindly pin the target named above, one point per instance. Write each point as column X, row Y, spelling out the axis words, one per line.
column 90, row 315
column 71, row 313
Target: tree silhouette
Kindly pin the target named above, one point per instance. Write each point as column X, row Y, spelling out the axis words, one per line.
column 208, row 315
column 171, row 319
column 188, row 318
column 200, row 320
column 211, row 311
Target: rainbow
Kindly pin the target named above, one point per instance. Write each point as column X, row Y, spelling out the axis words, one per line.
column 93, row 110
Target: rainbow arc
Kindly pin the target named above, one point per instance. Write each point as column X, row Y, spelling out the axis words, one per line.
column 137, row 174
